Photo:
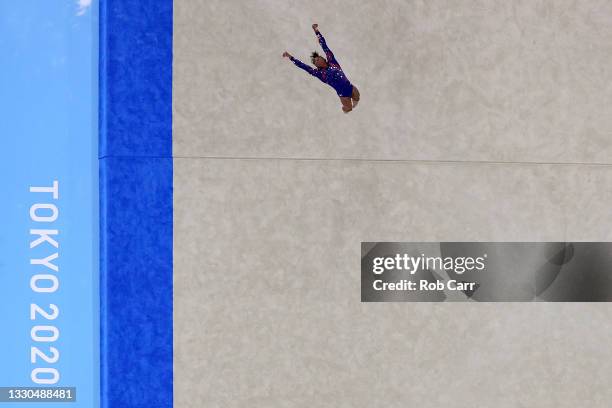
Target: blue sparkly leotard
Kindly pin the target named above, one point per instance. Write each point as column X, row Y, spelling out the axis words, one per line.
column 332, row 75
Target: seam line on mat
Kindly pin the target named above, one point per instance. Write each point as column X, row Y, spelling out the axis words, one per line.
column 134, row 157
column 416, row 161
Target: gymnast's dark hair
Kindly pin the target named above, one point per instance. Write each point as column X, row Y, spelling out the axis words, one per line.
column 314, row 55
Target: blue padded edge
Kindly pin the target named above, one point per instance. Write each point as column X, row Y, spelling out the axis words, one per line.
column 136, row 282
column 136, row 231
column 135, row 78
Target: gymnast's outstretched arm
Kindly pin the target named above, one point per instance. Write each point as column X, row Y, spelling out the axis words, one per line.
column 330, row 55
column 299, row 63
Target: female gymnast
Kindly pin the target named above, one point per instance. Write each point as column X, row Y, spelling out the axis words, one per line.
column 329, row 72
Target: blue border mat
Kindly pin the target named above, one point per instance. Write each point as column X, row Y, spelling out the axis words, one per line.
column 135, row 78
column 136, row 203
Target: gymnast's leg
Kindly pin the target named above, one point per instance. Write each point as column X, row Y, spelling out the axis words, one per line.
column 347, row 105
column 355, row 96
